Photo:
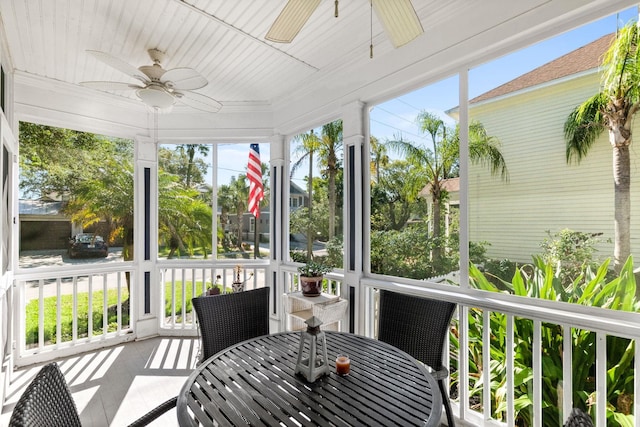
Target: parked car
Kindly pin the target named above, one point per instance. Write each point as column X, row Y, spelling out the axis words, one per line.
column 86, row 245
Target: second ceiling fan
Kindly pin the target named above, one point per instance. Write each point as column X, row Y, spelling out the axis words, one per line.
column 398, row 17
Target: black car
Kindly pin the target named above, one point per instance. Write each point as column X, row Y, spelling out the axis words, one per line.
column 86, row 245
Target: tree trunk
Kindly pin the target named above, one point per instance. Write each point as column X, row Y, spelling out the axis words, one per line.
column 622, row 203
column 332, row 194
column 310, row 235
column 256, row 240
column 239, row 224
column 436, row 252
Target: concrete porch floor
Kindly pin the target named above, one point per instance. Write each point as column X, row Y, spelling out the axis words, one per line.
column 116, row 385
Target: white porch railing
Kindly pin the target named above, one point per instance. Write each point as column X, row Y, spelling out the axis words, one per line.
column 95, row 298
column 541, row 314
column 97, row 295
column 181, row 281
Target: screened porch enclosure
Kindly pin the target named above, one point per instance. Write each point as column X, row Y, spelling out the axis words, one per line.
column 529, row 340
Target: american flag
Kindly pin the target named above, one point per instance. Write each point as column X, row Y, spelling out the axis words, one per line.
column 254, row 173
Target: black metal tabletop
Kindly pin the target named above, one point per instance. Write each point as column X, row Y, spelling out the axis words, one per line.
column 253, row 383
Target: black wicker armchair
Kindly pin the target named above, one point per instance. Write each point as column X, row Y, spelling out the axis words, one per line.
column 578, row 418
column 228, row 319
column 419, row 327
column 47, row 402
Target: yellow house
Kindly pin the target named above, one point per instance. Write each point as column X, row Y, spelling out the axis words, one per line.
column 544, row 193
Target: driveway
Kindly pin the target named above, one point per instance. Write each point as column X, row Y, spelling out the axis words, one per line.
column 56, row 258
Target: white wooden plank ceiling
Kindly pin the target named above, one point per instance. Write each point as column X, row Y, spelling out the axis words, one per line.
column 223, row 39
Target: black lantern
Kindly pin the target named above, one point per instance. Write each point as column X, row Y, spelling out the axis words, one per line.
column 314, row 364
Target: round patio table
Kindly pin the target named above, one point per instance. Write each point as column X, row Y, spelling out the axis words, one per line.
column 253, row 383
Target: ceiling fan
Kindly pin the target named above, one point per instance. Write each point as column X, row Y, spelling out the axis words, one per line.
column 158, row 88
column 398, row 17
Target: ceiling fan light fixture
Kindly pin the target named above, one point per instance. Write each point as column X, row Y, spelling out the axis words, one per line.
column 291, row 19
column 155, row 97
column 399, row 19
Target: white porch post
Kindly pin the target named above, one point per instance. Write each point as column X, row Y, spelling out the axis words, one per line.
column 279, row 219
column 356, row 192
column 145, row 313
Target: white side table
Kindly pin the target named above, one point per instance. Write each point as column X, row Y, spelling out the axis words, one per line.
column 331, row 309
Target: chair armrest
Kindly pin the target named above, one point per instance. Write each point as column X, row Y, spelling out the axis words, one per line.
column 155, row 413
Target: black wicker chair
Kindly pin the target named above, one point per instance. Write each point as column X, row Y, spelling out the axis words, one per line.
column 228, row 319
column 419, row 327
column 47, row 402
column 578, row 418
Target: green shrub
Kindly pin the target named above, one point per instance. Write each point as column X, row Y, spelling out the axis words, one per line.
column 540, row 280
column 570, row 251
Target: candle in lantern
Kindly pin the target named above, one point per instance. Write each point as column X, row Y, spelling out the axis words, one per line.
column 343, row 364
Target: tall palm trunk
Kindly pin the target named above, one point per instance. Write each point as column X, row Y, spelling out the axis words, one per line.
column 436, row 194
column 310, row 189
column 622, row 203
column 332, row 167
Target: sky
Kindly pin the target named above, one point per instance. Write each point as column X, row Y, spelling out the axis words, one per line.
column 397, row 116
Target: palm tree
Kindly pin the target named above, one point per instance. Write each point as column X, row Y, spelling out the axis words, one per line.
column 327, row 146
column 331, row 143
column 190, row 150
column 310, row 143
column 379, row 157
column 441, row 160
column 613, row 109
column 240, row 194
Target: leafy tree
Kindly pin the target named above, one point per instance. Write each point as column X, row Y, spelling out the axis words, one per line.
column 181, row 162
column 394, row 197
column 441, row 160
column 185, row 217
column 54, row 161
column 106, row 195
column 379, row 157
column 327, row 146
column 612, row 109
column 315, row 225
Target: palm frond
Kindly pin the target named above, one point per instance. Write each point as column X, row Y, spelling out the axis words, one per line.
column 583, row 126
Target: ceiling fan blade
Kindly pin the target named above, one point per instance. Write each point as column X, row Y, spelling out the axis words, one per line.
column 110, row 85
column 291, row 19
column 198, row 101
column 183, row 79
column 399, row 19
column 119, row 65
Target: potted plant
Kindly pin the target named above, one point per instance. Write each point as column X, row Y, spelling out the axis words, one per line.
column 214, row 289
column 311, row 277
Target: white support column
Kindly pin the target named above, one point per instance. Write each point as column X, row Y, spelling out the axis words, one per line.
column 145, row 248
column 279, row 186
column 356, row 190
column 463, row 122
column 278, row 220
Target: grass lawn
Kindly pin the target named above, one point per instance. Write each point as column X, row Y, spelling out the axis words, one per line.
column 66, row 312
column 66, row 316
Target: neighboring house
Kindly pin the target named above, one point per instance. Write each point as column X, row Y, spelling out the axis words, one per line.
column 297, row 196
column 43, row 225
column 544, row 192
